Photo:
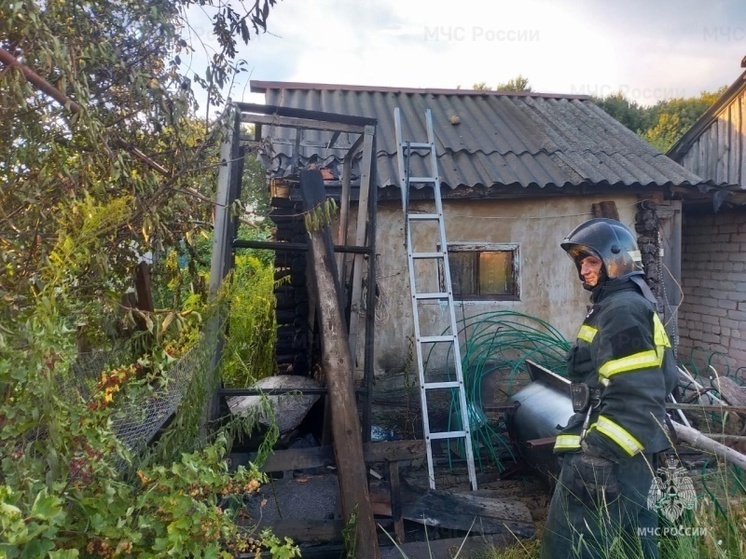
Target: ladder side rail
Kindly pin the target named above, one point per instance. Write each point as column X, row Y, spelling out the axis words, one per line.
column 404, row 186
column 463, row 406
column 439, row 256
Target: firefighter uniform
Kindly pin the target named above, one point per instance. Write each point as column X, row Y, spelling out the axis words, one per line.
column 623, row 362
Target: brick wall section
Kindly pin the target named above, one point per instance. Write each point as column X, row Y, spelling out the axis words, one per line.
column 712, row 318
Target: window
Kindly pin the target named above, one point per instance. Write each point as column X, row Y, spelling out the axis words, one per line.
column 485, row 272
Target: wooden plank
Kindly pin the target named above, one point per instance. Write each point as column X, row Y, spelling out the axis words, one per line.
column 299, row 459
column 479, row 511
column 344, row 215
column 280, row 112
column 396, row 504
column 722, row 127
column 308, row 531
column 741, row 176
column 370, row 317
column 389, row 451
column 306, row 124
column 606, row 208
column 303, row 458
column 734, row 129
column 337, row 364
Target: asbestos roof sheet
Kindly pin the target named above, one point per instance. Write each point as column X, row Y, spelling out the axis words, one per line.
column 485, row 139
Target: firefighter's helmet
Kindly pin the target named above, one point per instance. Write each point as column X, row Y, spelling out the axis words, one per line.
column 610, row 241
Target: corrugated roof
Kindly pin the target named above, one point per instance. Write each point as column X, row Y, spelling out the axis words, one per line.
column 526, row 139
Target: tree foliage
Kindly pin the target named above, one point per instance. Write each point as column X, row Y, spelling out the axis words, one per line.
column 668, row 120
column 97, row 110
column 103, row 162
column 661, row 124
column 519, row 83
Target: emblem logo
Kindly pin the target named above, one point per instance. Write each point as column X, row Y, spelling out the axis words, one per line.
column 672, row 491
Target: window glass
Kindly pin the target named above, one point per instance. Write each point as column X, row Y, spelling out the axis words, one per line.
column 496, row 273
column 484, row 272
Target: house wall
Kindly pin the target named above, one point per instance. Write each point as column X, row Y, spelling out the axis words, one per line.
column 713, row 314
column 549, row 285
column 718, row 153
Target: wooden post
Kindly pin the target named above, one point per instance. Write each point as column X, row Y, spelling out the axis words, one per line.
column 361, row 233
column 336, row 363
column 222, row 241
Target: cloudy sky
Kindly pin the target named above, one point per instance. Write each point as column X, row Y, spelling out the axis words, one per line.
column 648, row 49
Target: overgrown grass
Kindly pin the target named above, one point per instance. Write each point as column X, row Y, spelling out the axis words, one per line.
column 716, row 528
column 249, row 353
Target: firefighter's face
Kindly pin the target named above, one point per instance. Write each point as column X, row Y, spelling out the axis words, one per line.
column 591, row 270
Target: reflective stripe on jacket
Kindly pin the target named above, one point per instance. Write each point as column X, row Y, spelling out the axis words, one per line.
column 621, row 349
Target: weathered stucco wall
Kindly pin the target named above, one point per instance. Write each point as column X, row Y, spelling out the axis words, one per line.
column 713, row 314
column 549, row 286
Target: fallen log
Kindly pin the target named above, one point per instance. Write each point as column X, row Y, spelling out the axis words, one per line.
column 698, row 440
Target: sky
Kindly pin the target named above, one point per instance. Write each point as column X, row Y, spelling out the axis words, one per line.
column 649, row 50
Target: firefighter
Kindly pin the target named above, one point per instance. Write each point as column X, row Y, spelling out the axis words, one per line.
column 622, row 368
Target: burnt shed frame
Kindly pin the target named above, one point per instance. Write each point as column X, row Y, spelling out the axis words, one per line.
column 225, row 241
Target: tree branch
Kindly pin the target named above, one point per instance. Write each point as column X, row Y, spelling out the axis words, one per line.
column 35, row 79
column 47, row 88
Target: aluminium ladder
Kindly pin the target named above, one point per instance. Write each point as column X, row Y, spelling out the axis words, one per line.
column 427, row 250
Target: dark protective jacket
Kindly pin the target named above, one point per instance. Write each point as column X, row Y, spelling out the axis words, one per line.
column 621, row 350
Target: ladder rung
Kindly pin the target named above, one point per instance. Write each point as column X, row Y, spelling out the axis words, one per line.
column 448, row 435
column 422, row 179
column 414, row 217
column 436, row 339
column 420, row 296
column 417, row 145
column 440, row 385
column 428, row 255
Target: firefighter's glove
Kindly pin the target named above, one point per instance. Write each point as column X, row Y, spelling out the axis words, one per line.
column 594, row 480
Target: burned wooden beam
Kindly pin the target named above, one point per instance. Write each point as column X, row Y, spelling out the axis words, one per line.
column 337, row 365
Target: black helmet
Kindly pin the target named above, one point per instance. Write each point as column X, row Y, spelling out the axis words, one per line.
column 611, row 242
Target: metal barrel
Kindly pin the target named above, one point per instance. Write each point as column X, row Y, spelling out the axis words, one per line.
column 543, row 409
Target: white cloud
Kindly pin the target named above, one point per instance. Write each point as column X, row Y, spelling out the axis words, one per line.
column 648, row 50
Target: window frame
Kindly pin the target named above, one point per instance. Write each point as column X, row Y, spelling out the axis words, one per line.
column 476, row 248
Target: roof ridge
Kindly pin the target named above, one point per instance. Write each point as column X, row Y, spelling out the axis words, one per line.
column 259, row 86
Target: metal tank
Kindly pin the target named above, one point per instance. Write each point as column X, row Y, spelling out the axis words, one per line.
column 543, row 407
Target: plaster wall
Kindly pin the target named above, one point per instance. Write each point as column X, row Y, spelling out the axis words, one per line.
column 549, row 285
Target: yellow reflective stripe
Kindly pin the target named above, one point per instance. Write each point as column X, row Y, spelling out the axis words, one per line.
column 642, row 360
column 567, row 442
column 587, row 333
column 659, row 332
column 618, row 434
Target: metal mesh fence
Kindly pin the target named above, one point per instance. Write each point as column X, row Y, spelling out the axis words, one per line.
column 138, row 419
